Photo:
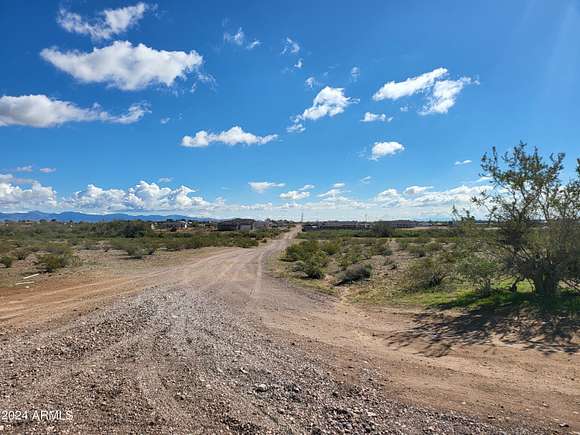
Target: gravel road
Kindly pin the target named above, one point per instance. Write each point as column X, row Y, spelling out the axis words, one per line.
column 208, row 348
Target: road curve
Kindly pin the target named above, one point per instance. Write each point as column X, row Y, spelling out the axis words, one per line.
column 216, row 346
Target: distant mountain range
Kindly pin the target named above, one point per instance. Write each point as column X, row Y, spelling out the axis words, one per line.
column 68, row 216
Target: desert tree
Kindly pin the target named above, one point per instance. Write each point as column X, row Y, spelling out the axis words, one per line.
column 534, row 218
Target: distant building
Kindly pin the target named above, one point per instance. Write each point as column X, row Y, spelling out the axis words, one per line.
column 237, row 225
column 170, row 225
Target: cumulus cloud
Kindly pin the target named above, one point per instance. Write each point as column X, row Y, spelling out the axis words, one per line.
column 17, row 198
column 141, row 197
column 328, row 102
column 444, row 95
column 441, row 93
column 394, row 90
column 47, row 170
column 234, row 136
column 390, row 196
column 239, row 39
column 125, row 66
column 42, row 111
column 376, row 117
column 307, row 187
column 382, row 149
column 109, row 22
column 262, row 186
column 290, row 46
column 415, row 190
column 338, row 185
column 295, row 195
column 462, row 162
column 296, row 128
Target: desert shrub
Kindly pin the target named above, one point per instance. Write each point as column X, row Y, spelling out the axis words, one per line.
column 383, row 229
column 417, row 250
column 313, row 265
column 57, row 249
column 403, row 244
column 433, row 246
column 355, row 272
column 427, row 273
column 52, row 262
column 90, row 245
column 330, row 247
column 6, row 261
column 381, row 248
column 22, row 253
column 302, row 250
column 479, row 270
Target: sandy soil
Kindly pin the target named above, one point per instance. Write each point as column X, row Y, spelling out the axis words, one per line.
column 209, row 342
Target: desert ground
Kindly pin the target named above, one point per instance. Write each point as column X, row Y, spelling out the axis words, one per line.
column 209, row 341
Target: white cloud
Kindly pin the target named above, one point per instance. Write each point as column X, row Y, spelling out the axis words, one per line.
column 299, row 63
column 332, row 193
column 16, row 198
column 234, row 136
column 416, row 190
column 295, row 128
column 165, row 180
column 355, row 73
column 484, row 179
column 125, row 66
column 27, row 168
column 462, row 162
column 381, row 149
column 339, row 185
column 328, row 102
column 295, row 195
column 373, row 117
column 311, row 82
column 142, row 197
column 262, row 186
column 47, row 170
column 394, row 90
column 164, row 120
column 42, row 111
column 444, row 94
column 109, row 23
column 290, row 46
column 390, row 196
column 366, row 180
column 404, row 108
column 239, row 39
column 307, row 187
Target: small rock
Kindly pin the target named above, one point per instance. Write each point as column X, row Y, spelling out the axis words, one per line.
column 564, row 425
column 261, row 388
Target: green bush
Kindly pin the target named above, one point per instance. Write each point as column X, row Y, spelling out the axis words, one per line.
column 355, row 272
column 427, row 273
column 381, row 248
column 313, row 265
column 330, row 247
column 480, row 271
column 6, row 261
column 22, row 253
column 301, row 251
column 52, row 262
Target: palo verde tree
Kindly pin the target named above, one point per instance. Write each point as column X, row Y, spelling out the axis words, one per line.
column 534, row 218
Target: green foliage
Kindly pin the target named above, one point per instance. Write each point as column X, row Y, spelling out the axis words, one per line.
column 427, row 274
column 331, row 247
column 313, row 265
column 52, row 262
column 383, row 229
column 22, row 253
column 534, row 219
column 417, row 250
column 480, row 271
column 379, row 247
column 6, row 261
column 355, row 272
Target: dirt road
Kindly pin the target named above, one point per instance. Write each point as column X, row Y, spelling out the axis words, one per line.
column 217, row 346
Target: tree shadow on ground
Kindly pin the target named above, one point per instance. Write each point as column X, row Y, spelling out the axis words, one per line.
column 519, row 319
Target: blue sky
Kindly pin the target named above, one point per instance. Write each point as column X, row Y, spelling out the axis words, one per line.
column 258, row 108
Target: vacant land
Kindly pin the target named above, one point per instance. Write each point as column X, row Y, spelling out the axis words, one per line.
column 205, row 341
